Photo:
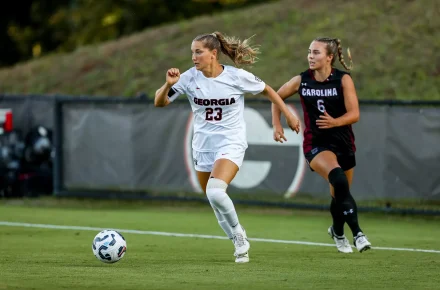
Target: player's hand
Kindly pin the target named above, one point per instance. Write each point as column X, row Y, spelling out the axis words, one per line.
column 173, row 75
column 278, row 133
column 326, row 121
column 293, row 123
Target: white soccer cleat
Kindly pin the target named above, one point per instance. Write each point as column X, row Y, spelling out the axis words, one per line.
column 342, row 244
column 242, row 259
column 241, row 243
column 361, row 242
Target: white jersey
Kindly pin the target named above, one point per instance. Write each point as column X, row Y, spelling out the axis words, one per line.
column 217, row 105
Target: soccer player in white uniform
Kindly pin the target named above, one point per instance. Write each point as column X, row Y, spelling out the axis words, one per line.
column 216, row 94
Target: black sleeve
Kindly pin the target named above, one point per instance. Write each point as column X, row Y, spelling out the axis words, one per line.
column 171, row 92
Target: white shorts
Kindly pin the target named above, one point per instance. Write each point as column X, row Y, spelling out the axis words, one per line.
column 204, row 161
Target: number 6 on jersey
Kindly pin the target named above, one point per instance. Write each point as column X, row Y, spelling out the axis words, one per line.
column 321, row 106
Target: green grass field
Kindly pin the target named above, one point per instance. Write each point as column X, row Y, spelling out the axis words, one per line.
column 394, row 44
column 41, row 258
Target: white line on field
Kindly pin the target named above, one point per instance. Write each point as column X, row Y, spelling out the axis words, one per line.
column 59, row 227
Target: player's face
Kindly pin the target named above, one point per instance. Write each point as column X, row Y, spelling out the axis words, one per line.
column 317, row 56
column 202, row 57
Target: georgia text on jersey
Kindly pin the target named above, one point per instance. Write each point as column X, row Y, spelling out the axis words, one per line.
column 217, row 105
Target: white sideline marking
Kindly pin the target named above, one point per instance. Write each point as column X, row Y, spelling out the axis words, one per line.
column 58, row 227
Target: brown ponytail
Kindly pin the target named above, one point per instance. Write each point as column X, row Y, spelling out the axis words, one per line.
column 240, row 52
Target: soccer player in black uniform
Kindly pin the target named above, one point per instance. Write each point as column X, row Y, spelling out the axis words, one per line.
column 330, row 106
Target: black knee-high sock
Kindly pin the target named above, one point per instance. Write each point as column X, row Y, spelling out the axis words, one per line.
column 351, row 217
column 345, row 203
column 338, row 219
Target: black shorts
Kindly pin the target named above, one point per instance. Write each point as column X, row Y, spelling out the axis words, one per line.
column 346, row 161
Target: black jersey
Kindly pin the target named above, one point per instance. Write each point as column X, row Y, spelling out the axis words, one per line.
column 317, row 97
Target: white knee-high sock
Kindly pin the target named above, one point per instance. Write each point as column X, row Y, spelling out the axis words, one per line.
column 223, row 223
column 216, row 193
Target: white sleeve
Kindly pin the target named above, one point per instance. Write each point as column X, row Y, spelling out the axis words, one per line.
column 249, row 83
column 179, row 88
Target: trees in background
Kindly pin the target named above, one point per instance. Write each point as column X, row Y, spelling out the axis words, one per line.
column 32, row 28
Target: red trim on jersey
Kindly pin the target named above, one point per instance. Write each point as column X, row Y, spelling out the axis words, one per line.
column 307, row 142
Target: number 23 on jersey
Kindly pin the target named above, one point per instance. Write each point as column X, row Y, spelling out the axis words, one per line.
column 213, row 114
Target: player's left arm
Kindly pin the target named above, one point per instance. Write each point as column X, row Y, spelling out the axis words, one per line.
column 351, row 102
column 273, row 96
column 351, row 105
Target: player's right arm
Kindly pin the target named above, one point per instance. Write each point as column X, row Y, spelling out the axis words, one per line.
column 288, row 89
column 161, row 98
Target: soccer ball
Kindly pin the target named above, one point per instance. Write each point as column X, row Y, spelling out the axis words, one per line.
column 109, row 246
